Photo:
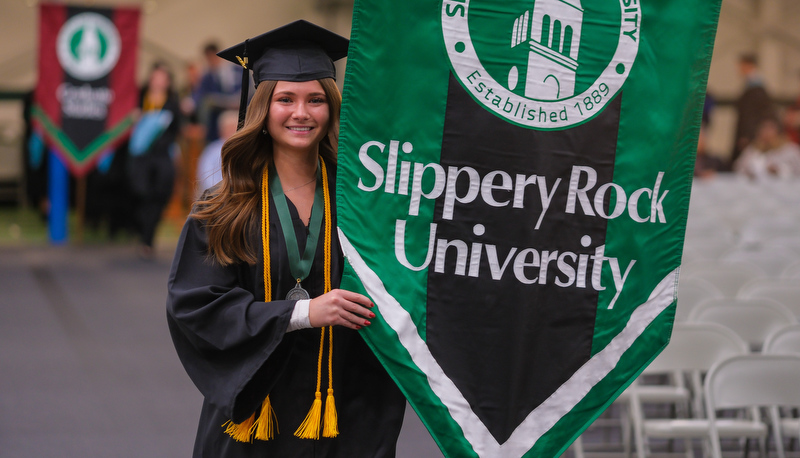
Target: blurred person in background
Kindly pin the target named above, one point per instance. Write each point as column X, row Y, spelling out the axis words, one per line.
column 188, row 91
column 151, row 161
column 706, row 165
column 209, row 172
column 753, row 106
column 791, row 120
column 770, row 155
column 217, row 91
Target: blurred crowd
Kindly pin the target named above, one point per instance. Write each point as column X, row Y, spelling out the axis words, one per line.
column 765, row 142
column 173, row 153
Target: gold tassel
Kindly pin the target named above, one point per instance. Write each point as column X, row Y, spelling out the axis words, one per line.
column 261, row 426
column 240, row 432
column 331, row 428
column 310, row 427
column 265, row 235
column 331, row 419
column 266, row 422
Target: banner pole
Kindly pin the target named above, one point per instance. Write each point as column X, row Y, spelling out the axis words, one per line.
column 58, row 194
column 80, row 208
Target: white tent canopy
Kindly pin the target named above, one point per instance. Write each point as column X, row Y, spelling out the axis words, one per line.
column 171, row 30
column 176, row 30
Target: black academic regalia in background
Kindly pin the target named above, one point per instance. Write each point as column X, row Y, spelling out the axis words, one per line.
column 236, row 351
column 152, row 176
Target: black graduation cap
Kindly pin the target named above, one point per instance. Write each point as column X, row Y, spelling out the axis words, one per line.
column 298, row 51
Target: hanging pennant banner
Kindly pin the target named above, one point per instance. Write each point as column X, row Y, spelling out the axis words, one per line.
column 87, row 90
column 513, row 187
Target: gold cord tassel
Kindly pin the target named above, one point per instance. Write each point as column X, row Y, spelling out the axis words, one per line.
column 327, row 243
column 265, row 234
column 310, row 427
column 266, row 422
column 262, row 426
column 331, row 428
column 240, row 432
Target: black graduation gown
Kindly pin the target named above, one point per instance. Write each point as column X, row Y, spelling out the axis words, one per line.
column 151, row 176
column 235, row 348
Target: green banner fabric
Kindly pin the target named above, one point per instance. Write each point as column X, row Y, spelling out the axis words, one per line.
column 513, row 187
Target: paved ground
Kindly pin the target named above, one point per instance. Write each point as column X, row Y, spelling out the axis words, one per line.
column 87, row 368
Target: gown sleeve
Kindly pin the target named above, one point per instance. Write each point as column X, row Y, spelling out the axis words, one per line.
column 232, row 344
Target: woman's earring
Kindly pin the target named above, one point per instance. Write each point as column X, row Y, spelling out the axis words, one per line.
column 264, row 131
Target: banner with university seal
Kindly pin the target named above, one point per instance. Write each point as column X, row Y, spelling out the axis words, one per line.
column 86, row 93
column 513, row 187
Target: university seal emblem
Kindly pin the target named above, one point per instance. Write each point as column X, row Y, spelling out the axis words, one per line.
column 548, row 65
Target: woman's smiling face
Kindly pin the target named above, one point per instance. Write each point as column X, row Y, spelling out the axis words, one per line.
column 298, row 115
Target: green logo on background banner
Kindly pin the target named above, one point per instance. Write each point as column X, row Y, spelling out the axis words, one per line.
column 548, row 64
column 88, row 46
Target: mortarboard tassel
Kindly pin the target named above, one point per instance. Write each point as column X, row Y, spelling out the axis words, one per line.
column 245, row 85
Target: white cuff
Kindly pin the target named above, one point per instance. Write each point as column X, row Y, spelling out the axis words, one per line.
column 300, row 319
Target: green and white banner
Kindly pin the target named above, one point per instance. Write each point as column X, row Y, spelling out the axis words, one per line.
column 86, row 94
column 513, row 186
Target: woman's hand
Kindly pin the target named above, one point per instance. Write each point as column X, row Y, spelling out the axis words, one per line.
column 342, row 308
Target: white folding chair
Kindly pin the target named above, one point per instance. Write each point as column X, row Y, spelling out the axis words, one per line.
column 771, row 260
column 792, row 271
column 789, row 426
column 577, row 448
column 747, row 383
column 728, row 277
column 752, row 319
column 699, row 226
column 785, row 341
column 616, row 417
column 700, row 249
column 785, row 291
column 790, row 243
column 692, row 291
column 762, row 229
column 692, row 350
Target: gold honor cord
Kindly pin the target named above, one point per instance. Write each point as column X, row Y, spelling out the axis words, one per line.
column 261, row 428
column 309, row 429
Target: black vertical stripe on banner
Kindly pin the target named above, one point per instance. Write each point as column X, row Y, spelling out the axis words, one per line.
column 506, row 344
column 82, row 130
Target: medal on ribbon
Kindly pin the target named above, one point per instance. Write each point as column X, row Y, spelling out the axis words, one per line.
column 299, row 266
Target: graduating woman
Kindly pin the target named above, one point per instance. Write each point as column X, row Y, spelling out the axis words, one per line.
column 253, row 306
column 151, row 167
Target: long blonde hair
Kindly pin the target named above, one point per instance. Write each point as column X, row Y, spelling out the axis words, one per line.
column 231, row 210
